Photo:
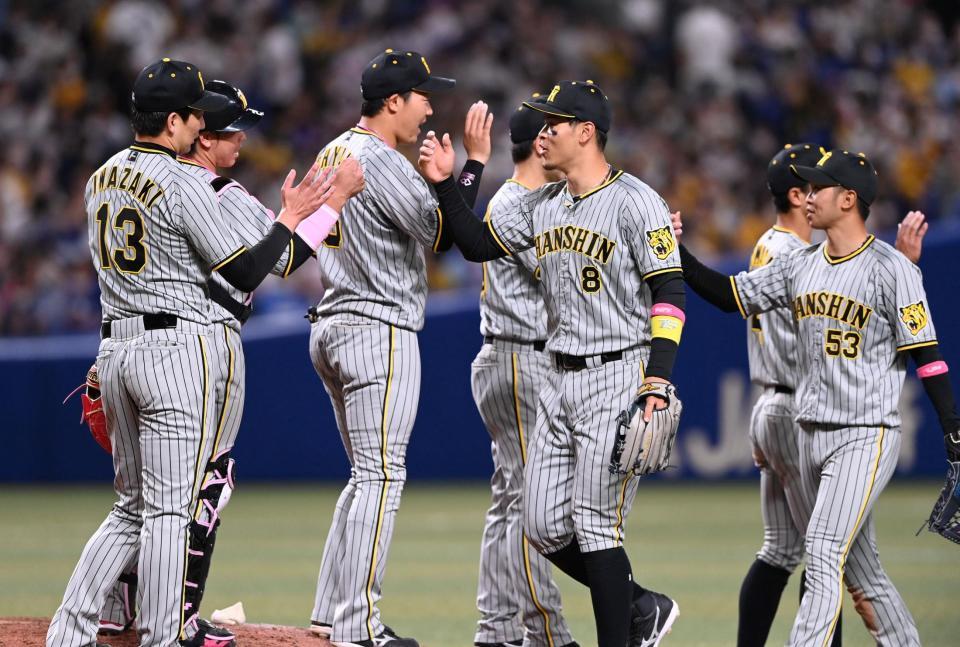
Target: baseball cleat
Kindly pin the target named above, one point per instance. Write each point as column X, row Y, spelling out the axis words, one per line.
column 509, row 643
column 648, row 631
column 321, row 629
column 111, row 629
column 387, row 638
column 210, row 635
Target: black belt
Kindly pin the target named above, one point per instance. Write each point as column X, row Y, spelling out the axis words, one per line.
column 220, row 296
column 779, row 388
column 577, row 362
column 154, row 321
column 538, row 345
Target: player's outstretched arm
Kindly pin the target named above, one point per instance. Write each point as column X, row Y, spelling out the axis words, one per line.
column 475, row 241
column 712, row 286
column 910, row 235
column 476, row 140
column 934, row 375
column 246, row 270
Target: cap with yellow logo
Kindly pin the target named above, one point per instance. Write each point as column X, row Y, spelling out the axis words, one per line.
column 168, row 86
column 580, row 100
column 398, row 71
column 852, row 171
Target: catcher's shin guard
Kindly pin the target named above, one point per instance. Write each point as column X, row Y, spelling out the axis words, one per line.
column 121, row 607
column 218, row 483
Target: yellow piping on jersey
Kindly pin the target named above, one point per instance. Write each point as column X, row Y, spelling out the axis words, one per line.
column 620, row 504
column 497, row 238
column 663, row 271
column 228, row 259
column 853, row 533
column 226, row 392
column 602, row 186
column 289, row 267
column 736, row 296
column 436, row 243
column 856, row 252
column 196, row 475
column 386, row 485
column 363, row 131
column 186, row 160
column 791, row 232
column 920, row 344
column 519, row 183
column 523, row 459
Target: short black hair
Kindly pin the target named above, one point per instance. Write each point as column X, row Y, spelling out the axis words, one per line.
column 781, row 202
column 864, row 208
column 152, row 124
column 601, row 136
column 522, row 151
column 372, row 107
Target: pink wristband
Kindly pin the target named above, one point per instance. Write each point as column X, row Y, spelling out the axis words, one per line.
column 933, row 368
column 317, row 226
column 667, row 310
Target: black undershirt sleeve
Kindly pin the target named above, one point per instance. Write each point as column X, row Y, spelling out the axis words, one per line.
column 665, row 288
column 467, row 231
column 938, row 388
column 469, row 186
column 710, row 285
column 247, row 271
column 301, row 252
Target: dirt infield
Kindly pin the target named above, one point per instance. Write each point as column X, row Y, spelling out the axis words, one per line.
column 31, row 632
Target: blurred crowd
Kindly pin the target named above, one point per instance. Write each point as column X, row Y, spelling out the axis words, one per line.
column 704, row 94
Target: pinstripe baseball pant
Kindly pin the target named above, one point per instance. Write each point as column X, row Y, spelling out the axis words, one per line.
column 371, row 371
column 119, row 609
column 159, row 390
column 516, row 594
column 847, row 468
column 568, row 488
column 784, row 502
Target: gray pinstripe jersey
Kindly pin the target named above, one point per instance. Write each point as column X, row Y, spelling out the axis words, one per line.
column 155, row 231
column 855, row 314
column 511, row 302
column 595, row 250
column 772, row 336
column 250, row 222
column 373, row 262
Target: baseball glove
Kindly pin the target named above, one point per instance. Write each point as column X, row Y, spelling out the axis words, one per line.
column 643, row 448
column 945, row 517
column 92, row 407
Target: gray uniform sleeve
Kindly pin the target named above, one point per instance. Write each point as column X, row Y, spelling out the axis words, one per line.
column 764, row 288
column 204, row 225
column 905, row 305
column 404, row 196
column 512, row 227
column 251, row 221
column 646, row 223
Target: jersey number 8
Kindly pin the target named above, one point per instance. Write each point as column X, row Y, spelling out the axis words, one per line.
column 132, row 257
column 590, row 279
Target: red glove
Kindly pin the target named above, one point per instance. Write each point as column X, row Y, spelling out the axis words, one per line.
column 93, row 410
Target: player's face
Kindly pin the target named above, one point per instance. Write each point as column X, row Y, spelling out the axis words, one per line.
column 823, row 205
column 226, row 148
column 412, row 114
column 186, row 132
column 558, row 143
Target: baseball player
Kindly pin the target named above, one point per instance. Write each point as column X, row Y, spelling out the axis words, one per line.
column 218, row 147
column 519, row 602
column 772, row 343
column 859, row 308
column 363, row 340
column 156, row 233
column 608, row 260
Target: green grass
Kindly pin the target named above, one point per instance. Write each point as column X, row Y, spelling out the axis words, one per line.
column 694, row 542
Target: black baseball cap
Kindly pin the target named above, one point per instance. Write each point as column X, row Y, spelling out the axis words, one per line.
column 583, row 101
column 852, row 171
column 526, row 123
column 233, row 117
column 398, row 71
column 780, row 178
column 167, row 86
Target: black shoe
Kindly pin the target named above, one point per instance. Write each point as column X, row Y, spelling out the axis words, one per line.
column 648, row 631
column 511, row 643
column 387, row 638
column 210, row 635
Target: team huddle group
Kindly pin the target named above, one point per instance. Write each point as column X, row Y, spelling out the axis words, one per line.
column 582, row 310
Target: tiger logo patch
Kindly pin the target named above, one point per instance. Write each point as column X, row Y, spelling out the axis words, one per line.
column 661, row 241
column 914, row 316
column 760, row 256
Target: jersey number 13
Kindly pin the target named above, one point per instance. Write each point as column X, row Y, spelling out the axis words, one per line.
column 132, row 257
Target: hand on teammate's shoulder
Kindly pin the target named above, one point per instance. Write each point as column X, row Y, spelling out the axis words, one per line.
column 910, row 235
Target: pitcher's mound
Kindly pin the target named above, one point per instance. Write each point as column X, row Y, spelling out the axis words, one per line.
column 32, row 632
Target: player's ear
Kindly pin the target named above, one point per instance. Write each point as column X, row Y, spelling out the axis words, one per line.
column 848, row 199
column 587, row 132
column 797, row 196
column 394, row 103
column 172, row 119
column 206, row 140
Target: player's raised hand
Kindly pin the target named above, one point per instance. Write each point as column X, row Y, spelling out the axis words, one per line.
column 348, row 181
column 476, row 132
column 300, row 201
column 436, row 157
column 910, row 235
column 677, row 223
